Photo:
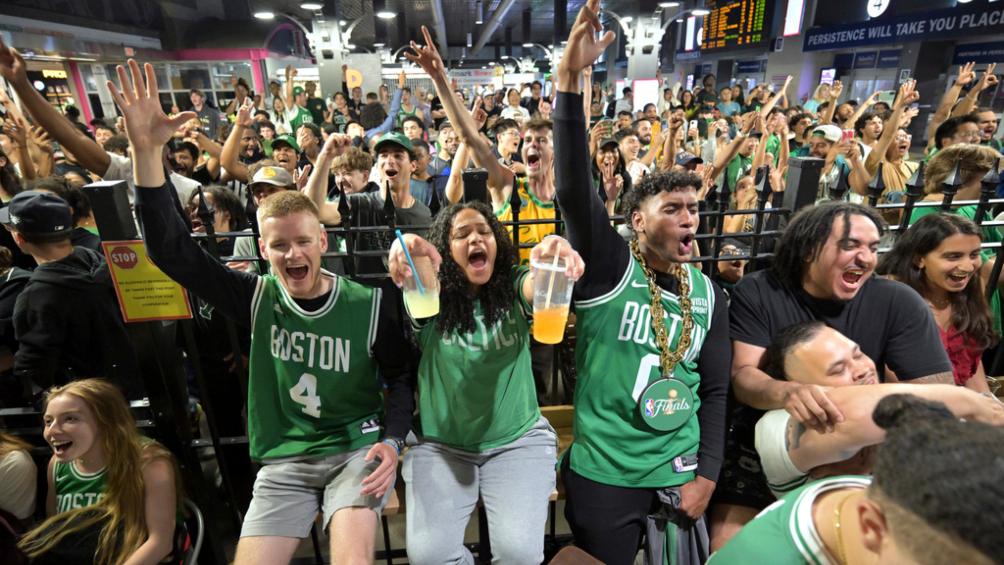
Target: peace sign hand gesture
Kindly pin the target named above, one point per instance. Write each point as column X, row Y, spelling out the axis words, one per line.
column 583, row 46
column 427, row 56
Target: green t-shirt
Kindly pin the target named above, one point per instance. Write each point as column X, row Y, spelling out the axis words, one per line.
column 297, row 117
column 617, row 359
column 476, row 391
column 737, row 168
column 990, row 235
column 75, row 489
column 774, row 147
column 784, row 533
column 313, row 387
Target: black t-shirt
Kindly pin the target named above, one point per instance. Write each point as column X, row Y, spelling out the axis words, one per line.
column 316, row 106
column 435, row 106
column 368, row 210
column 890, row 321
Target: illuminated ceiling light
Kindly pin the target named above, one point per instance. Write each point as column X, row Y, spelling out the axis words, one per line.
column 349, row 46
column 668, row 4
column 342, row 23
column 386, row 15
column 528, row 45
column 379, row 44
column 479, row 13
column 679, row 20
column 311, row 6
column 700, row 12
column 265, row 15
column 627, row 19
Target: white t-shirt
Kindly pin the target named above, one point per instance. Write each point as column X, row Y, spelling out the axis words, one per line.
column 772, row 446
column 120, row 168
column 17, row 484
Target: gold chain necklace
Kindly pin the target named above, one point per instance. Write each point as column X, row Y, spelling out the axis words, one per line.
column 667, row 360
column 841, row 550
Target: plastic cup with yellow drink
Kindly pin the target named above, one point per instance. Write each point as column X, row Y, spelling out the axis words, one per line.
column 421, row 289
column 552, row 294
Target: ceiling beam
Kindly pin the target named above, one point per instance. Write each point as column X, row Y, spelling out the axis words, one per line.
column 439, row 22
column 491, row 25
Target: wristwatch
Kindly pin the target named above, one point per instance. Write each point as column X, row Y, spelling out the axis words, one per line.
column 396, row 443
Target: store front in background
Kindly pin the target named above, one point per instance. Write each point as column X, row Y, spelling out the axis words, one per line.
column 54, row 85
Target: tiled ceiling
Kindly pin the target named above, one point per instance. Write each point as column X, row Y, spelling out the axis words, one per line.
column 459, row 17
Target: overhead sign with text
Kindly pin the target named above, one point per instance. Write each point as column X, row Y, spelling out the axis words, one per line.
column 962, row 21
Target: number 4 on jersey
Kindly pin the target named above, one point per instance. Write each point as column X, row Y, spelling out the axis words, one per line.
column 305, row 393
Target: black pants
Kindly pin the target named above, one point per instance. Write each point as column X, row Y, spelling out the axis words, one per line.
column 607, row 521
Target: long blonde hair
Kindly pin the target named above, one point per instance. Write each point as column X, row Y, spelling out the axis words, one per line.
column 122, row 507
column 10, row 443
column 975, row 161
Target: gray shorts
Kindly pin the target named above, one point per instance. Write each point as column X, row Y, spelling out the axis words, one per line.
column 287, row 495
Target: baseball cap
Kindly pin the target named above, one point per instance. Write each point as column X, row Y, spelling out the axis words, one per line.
column 273, row 175
column 685, row 158
column 608, row 141
column 288, row 139
column 829, row 132
column 38, row 214
column 297, row 90
column 394, row 138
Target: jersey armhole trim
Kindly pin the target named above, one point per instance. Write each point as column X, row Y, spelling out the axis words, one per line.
column 374, row 318
column 259, row 289
column 592, row 302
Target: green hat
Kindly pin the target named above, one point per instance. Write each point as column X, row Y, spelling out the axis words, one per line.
column 297, row 90
column 394, row 138
column 288, row 140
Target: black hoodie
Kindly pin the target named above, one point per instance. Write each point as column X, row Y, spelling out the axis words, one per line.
column 68, row 325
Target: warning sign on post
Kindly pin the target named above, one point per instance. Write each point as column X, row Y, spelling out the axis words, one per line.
column 145, row 293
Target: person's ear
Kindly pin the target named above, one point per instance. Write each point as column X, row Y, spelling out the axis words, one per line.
column 324, row 238
column 637, row 222
column 874, row 529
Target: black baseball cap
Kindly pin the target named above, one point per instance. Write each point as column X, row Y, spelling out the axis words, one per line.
column 685, row 158
column 38, row 214
column 608, row 141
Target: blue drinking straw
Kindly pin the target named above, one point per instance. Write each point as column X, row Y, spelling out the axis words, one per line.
column 414, row 271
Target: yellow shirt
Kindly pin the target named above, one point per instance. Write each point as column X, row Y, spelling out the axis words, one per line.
column 531, row 208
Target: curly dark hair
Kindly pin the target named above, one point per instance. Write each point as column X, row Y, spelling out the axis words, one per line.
column 654, row 184
column 456, row 307
column 807, row 232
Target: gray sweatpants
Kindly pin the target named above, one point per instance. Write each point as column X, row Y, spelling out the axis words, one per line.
column 514, row 482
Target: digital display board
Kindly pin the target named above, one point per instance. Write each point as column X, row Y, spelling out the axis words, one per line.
column 736, row 24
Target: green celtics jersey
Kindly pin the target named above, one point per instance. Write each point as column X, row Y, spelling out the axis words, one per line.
column 618, row 358
column 299, row 116
column 784, row 533
column 476, row 390
column 313, row 387
column 75, row 489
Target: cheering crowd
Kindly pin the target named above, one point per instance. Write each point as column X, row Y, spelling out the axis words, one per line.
column 830, row 406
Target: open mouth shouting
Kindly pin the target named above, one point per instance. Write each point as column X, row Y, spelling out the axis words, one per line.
column 390, row 173
column 297, row 272
column 477, row 259
column 533, row 161
column 686, row 245
column 60, row 447
column 852, row 278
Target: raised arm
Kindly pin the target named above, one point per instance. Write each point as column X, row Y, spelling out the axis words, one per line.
column 500, row 179
column 290, row 101
column 860, row 111
column 395, row 107
column 86, row 150
column 228, row 156
column 972, row 97
column 948, row 100
column 317, row 185
column 907, row 95
column 725, row 157
column 17, row 130
column 777, row 97
column 455, row 183
column 831, row 108
column 167, row 241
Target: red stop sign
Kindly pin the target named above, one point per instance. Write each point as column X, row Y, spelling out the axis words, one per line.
column 124, row 258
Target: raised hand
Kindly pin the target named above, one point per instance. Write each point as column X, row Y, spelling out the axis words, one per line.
column 12, row 66
column 427, row 56
column 146, row 124
column 989, row 78
column 749, row 120
column 400, row 80
column 336, row 145
column 479, row 114
column 244, row 114
column 16, row 129
column 556, row 245
column 907, row 94
column 583, row 46
column 301, row 176
column 908, row 116
column 966, row 74
column 836, row 89
column 397, row 262
column 40, row 139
